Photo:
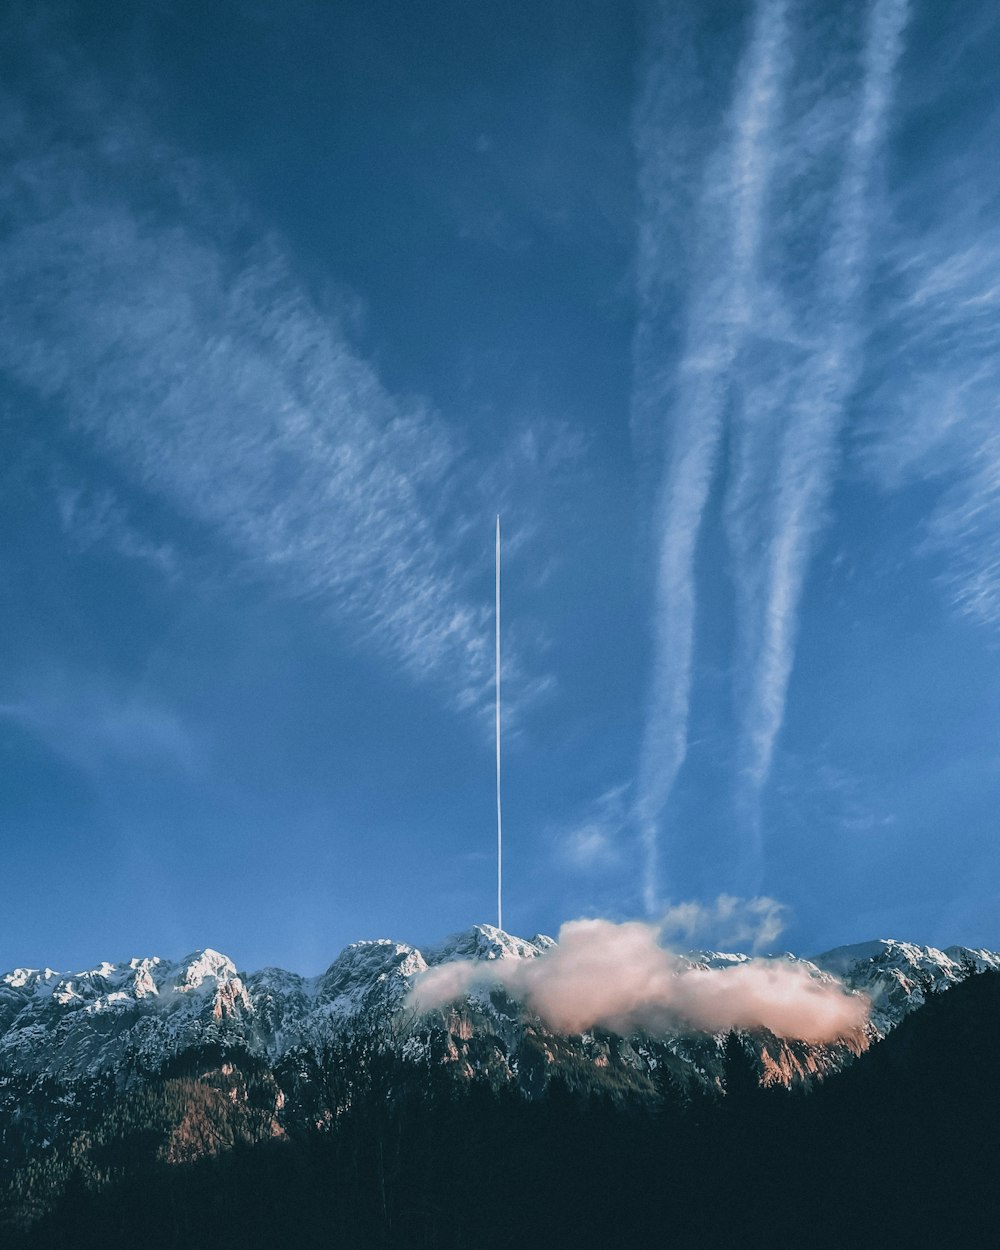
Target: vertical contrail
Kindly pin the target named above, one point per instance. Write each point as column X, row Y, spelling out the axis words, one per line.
column 734, row 201
column 499, row 823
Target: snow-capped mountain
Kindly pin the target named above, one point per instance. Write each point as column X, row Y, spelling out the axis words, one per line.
column 898, row 976
column 129, row 1019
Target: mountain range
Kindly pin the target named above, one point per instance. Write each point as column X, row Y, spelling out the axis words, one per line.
column 129, row 1019
column 186, row 1103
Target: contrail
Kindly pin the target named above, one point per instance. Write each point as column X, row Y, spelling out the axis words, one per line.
column 499, row 822
column 808, row 450
column 715, row 333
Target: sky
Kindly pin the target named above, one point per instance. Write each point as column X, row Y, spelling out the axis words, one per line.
column 702, row 298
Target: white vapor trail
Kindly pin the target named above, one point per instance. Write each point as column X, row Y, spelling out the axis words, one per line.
column 769, row 360
column 735, row 199
column 817, row 391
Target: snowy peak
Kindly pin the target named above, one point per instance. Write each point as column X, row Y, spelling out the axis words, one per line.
column 486, row 942
column 898, row 976
column 364, row 965
column 148, row 1008
column 952, row 964
column 28, row 979
column 205, row 967
column 970, row 957
column 273, row 980
column 208, row 974
column 717, row 959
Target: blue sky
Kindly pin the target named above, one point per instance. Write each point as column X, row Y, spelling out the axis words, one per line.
column 703, row 298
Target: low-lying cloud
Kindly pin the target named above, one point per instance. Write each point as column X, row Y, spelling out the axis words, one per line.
column 619, row 977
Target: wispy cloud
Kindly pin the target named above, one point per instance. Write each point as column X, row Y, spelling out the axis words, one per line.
column 595, row 840
column 818, row 794
column 733, row 204
column 94, row 729
column 215, row 381
column 231, row 397
column 934, row 413
column 95, row 517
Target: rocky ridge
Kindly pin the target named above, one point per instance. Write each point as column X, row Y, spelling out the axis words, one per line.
column 129, row 1019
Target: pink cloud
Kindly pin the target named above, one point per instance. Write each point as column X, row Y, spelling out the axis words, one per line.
column 618, row 977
